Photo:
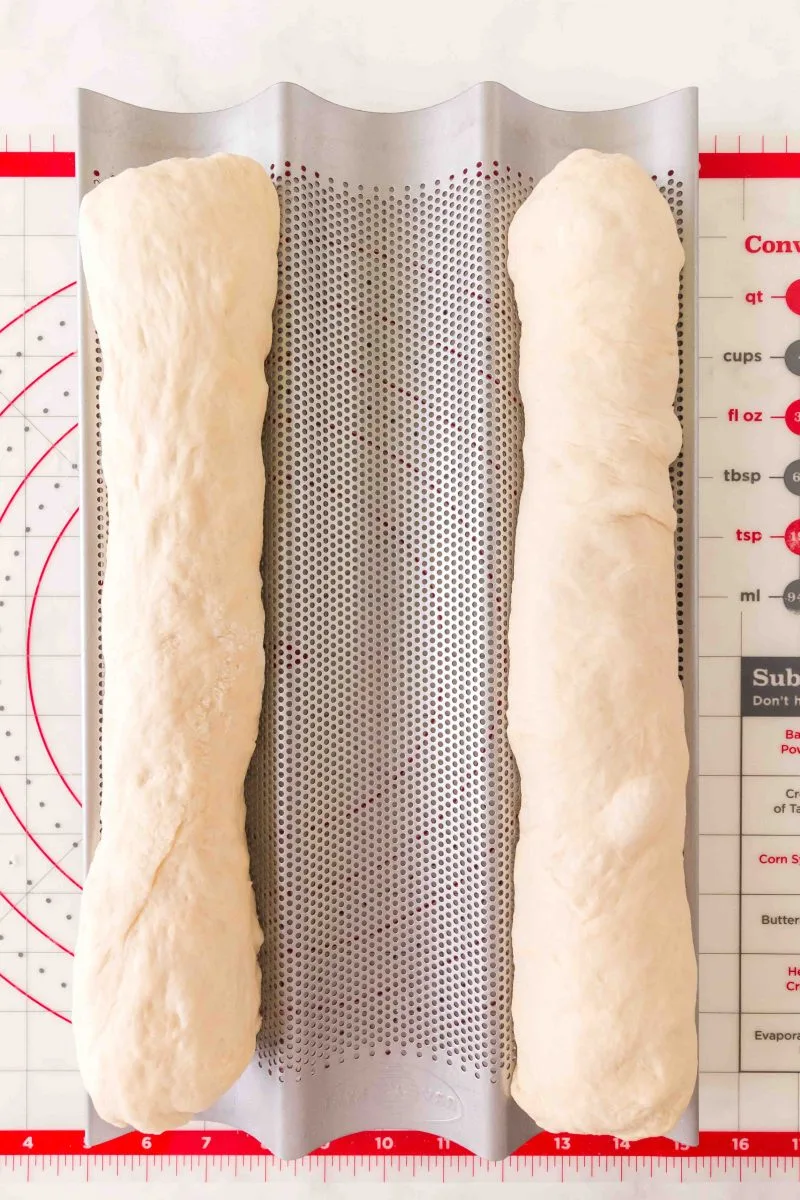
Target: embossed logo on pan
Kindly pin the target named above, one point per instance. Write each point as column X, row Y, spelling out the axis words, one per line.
column 408, row 1089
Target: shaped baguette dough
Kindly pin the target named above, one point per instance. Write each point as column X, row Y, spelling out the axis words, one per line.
column 604, row 968
column 181, row 267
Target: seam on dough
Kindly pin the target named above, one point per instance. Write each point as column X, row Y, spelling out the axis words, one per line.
column 132, row 924
column 154, row 879
column 670, row 527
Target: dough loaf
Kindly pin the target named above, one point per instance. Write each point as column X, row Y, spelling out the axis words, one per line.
column 180, row 260
column 605, row 972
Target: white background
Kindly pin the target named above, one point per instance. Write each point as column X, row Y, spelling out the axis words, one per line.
column 184, row 55
column 189, row 54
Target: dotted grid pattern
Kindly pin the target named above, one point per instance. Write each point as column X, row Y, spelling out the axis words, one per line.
column 672, row 190
column 382, row 796
column 40, row 812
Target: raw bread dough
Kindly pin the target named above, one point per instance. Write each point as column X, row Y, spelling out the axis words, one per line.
column 180, row 261
column 604, row 968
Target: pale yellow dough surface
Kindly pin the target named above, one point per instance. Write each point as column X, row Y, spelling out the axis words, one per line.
column 604, row 967
column 180, row 263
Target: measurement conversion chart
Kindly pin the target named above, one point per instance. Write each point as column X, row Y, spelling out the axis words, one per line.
column 749, row 487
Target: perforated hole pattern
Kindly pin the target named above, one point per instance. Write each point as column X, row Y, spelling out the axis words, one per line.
column 382, row 795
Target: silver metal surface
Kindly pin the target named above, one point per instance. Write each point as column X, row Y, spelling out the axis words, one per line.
column 382, row 796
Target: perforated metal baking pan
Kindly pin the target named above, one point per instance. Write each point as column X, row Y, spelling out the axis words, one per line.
column 382, row 796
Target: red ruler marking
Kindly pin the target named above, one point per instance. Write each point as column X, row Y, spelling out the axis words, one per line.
column 729, row 1144
column 60, row 164
column 37, row 164
column 737, row 165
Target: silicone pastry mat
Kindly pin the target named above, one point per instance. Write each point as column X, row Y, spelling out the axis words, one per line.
column 382, row 795
column 41, row 1101
column 40, row 762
